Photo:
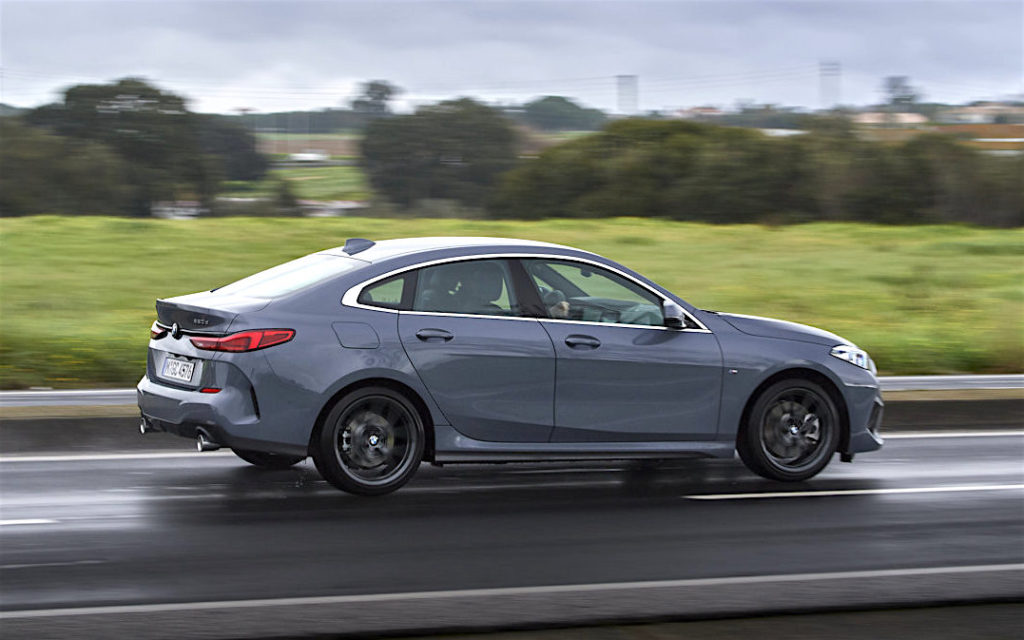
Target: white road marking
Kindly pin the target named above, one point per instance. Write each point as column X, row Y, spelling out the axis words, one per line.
column 854, row 492
column 73, row 563
column 26, row 521
column 920, row 435
column 504, row 591
column 464, row 488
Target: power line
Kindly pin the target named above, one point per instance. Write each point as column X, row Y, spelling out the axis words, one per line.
column 829, row 84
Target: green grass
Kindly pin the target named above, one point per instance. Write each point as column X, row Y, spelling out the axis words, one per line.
column 76, row 294
column 308, row 183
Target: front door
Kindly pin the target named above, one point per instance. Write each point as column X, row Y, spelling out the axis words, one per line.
column 621, row 375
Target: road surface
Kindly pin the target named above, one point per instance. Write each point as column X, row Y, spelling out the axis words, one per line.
column 142, row 534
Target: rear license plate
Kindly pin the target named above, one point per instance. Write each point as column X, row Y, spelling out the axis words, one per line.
column 178, row 369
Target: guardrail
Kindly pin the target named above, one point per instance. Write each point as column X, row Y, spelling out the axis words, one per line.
column 948, row 383
column 115, row 397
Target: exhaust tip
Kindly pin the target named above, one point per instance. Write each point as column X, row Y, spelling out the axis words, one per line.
column 204, row 443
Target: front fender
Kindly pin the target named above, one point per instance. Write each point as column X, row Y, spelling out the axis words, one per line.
column 750, row 361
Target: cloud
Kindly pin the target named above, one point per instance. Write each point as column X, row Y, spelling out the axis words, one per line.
column 284, row 55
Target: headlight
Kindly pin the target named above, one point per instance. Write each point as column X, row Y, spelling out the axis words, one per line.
column 855, row 356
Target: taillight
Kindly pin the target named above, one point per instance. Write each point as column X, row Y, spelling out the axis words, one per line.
column 156, row 331
column 245, row 340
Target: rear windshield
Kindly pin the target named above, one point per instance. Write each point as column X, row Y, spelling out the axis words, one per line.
column 291, row 276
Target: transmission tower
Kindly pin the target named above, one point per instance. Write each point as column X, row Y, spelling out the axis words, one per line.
column 626, row 91
column 830, row 75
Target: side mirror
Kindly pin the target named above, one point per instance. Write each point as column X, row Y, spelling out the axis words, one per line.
column 673, row 314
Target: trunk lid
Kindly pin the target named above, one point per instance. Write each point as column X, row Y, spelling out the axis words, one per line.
column 206, row 312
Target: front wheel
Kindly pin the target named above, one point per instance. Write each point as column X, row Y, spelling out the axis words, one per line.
column 791, row 433
column 268, row 460
column 371, row 442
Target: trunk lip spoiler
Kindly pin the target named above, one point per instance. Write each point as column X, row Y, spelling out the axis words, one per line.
column 191, row 332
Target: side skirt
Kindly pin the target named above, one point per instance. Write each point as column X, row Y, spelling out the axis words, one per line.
column 451, row 446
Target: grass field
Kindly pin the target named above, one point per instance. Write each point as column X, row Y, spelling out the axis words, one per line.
column 76, row 294
column 308, row 183
column 335, row 144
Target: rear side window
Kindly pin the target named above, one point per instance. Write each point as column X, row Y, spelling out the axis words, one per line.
column 292, row 276
column 392, row 293
column 473, row 287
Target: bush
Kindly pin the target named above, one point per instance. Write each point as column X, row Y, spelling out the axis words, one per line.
column 692, row 171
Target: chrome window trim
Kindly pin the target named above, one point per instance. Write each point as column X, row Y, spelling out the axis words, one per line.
column 351, row 296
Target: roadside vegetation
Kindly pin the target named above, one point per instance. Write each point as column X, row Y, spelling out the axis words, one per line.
column 707, row 173
column 306, row 183
column 78, row 292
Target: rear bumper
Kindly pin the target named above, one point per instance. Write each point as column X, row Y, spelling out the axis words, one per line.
column 229, row 418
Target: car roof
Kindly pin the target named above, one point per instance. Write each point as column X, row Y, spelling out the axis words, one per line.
column 386, row 249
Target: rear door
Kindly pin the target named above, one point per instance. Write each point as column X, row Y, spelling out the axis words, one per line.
column 488, row 367
column 622, row 375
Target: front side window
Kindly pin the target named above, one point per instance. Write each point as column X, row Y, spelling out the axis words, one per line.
column 475, row 287
column 576, row 291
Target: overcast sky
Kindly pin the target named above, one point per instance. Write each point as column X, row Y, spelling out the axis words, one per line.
column 278, row 55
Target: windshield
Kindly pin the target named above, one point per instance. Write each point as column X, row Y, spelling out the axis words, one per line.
column 291, row 276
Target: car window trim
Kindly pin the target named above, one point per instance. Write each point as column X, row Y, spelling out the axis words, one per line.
column 350, row 298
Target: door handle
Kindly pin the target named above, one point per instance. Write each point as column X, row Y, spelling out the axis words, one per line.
column 427, row 335
column 582, row 342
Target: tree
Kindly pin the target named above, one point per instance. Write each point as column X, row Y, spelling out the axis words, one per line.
column 453, row 150
column 234, row 147
column 374, row 97
column 899, row 93
column 45, row 173
column 170, row 153
column 561, row 114
column 150, row 129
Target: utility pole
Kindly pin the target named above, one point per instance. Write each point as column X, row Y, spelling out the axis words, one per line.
column 830, row 75
column 627, row 94
column 242, row 111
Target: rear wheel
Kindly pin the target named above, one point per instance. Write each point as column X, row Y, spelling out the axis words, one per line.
column 791, row 433
column 268, row 460
column 371, row 442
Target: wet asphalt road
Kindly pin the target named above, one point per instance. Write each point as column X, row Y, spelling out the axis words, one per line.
column 129, row 529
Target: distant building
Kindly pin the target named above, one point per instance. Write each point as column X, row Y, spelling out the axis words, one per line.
column 886, row 119
column 177, row 209
column 694, row 113
column 310, row 155
column 330, row 208
column 982, row 113
column 782, row 133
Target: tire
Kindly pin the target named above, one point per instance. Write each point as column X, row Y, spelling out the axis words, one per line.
column 791, row 432
column 268, row 460
column 370, row 443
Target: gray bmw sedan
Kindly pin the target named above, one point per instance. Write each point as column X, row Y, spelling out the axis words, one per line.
column 374, row 357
